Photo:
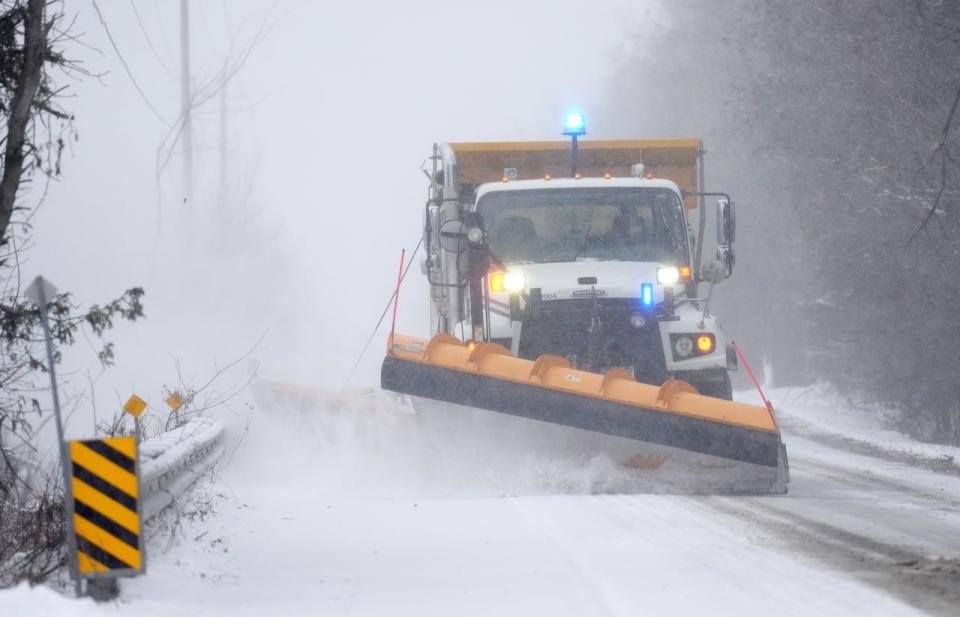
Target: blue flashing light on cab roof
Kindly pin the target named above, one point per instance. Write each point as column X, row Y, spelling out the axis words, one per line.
column 646, row 295
column 575, row 124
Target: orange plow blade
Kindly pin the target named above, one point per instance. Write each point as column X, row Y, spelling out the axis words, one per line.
column 684, row 441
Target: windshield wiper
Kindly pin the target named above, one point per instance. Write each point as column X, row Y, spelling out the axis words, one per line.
column 674, row 241
column 586, row 237
column 588, row 242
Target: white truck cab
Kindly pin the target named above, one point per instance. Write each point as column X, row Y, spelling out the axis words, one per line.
column 600, row 269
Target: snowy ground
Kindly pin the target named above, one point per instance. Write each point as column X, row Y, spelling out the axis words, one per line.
column 318, row 513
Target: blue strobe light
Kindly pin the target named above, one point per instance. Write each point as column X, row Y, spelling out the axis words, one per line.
column 646, row 295
column 575, row 124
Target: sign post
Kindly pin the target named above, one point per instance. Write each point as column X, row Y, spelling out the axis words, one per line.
column 174, row 402
column 107, row 519
column 40, row 292
column 101, row 488
column 106, row 487
column 135, row 406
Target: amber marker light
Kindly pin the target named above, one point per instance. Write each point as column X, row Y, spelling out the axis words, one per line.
column 705, row 343
column 685, row 274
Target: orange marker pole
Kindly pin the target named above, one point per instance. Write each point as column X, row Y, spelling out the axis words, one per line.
column 396, row 297
column 766, row 401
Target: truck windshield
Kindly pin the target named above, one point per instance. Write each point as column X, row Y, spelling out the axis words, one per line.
column 561, row 225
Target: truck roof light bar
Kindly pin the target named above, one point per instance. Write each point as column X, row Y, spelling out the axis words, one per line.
column 575, row 127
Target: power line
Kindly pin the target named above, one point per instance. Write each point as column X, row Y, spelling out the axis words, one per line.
column 186, row 100
column 126, row 67
column 146, row 36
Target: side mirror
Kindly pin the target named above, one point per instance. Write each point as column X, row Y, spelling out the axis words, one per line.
column 453, row 236
column 713, row 272
column 726, row 233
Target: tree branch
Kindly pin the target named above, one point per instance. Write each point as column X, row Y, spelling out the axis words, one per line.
column 34, row 51
column 940, row 150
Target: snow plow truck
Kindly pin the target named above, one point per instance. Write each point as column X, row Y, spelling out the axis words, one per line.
column 565, row 297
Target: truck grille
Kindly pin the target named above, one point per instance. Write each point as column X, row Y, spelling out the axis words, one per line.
column 562, row 327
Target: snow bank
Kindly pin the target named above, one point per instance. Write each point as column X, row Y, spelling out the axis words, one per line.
column 817, row 410
column 174, row 460
column 26, row 601
column 326, row 508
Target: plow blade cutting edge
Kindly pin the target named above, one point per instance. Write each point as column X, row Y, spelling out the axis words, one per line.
column 681, row 441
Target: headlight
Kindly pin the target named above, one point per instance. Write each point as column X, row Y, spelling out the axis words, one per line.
column 475, row 235
column 514, row 281
column 668, row 276
column 496, row 281
column 683, row 345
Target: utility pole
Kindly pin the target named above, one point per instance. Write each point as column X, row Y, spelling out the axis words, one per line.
column 185, row 102
column 222, row 189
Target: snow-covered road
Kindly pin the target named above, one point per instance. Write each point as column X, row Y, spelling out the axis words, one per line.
column 304, row 525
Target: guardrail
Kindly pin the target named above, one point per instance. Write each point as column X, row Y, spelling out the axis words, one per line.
column 171, row 462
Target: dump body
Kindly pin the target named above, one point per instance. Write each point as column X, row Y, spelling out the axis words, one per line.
column 673, row 159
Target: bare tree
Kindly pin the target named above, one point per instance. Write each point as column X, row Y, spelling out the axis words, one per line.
column 31, row 513
column 22, row 101
column 835, row 122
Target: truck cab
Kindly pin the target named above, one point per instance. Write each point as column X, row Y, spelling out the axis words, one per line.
column 599, row 267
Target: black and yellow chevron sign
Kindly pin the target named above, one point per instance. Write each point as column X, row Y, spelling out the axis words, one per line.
column 106, row 519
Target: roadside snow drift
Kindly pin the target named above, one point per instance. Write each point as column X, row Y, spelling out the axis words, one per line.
column 336, row 505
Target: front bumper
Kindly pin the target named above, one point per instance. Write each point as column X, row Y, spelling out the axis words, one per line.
column 599, row 337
